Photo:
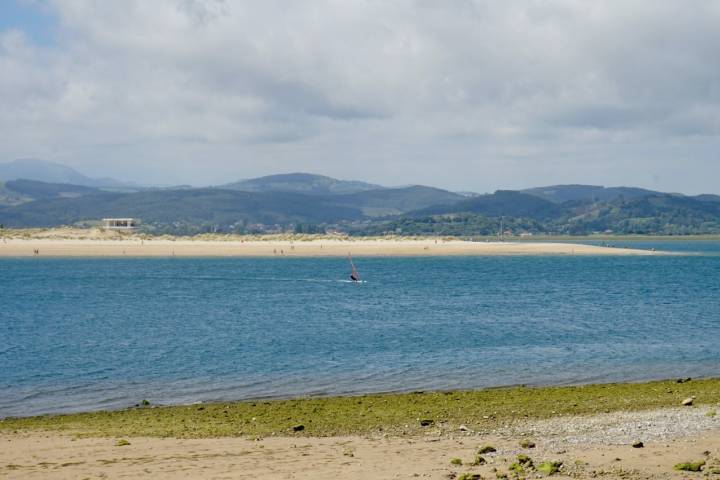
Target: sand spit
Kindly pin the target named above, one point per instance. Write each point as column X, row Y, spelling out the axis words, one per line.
column 49, row 247
column 588, row 447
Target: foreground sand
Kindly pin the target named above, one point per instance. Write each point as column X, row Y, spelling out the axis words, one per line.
column 589, row 447
column 14, row 247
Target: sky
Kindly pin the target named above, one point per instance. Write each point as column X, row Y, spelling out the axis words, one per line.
column 461, row 94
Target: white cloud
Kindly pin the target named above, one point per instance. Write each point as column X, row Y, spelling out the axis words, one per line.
column 465, row 94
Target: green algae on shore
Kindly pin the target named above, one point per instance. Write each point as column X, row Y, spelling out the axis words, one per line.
column 394, row 414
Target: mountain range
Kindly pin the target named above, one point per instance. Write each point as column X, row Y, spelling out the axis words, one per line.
column 308, row 203
column 51, row 172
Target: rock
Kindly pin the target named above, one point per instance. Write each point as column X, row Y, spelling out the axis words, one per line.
column 463, row 428
column 486, row 449
column 549, row 468
column 122, row 443
column 470, row 476
column 688, row 401
column 426, row 422
column 525, row 461
column 479, row 460
column 527, row 444
column 690, row 466
column 298, row 428
column 516, row 468
column 638, row 444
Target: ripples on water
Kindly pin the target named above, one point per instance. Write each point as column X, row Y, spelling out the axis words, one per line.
column 79, row 334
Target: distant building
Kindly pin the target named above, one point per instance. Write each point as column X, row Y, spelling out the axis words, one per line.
column 120, row 223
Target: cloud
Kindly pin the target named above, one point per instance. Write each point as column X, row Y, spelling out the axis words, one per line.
column 508, row 93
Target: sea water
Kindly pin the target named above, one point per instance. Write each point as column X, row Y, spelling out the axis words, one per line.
column 83, row 334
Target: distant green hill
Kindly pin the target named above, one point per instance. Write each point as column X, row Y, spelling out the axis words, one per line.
column 188, row 209
column 300, row 183
column 501, row 203
column 394, row 201
column 566, row 193
column 658, row 214
column 409, row 210
column 9, row 196
column 654, row 214
column 182, row 210
column 42, row 190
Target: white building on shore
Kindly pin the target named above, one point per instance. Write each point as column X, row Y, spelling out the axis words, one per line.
column 120, row 223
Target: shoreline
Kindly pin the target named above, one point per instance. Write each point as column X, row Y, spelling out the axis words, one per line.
column 42, row 455
column 43, row 247
column 340, row 414
column 586, row 432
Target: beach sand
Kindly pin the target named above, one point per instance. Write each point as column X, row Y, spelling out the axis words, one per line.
column 49, row 247
column 588, row 447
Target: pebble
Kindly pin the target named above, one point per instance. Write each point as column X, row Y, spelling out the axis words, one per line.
column 618, row 428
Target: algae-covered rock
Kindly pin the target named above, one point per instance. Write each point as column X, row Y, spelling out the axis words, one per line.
column 549, row 468
column 690, row 466
column 298, row 428
column 486, row 449
column 455, row 461
column 527, row 444
column 469, row 476
column 122, row 443
column 479, row 460
column 525, row 461
column 516, row 468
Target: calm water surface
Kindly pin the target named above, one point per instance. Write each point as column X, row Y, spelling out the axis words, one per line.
column 80, row 334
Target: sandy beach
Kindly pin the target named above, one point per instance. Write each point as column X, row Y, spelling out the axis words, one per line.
column 587, row 446
column 62, row 247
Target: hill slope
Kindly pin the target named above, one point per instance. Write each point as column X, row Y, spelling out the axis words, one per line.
column 175, row 210
column 51, row 172
column 592, row 193
column 501, row 203
column 300, row 183
column 394, row 201
column 43, row 190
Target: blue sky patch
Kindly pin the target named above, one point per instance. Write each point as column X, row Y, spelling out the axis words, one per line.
column 34, row 18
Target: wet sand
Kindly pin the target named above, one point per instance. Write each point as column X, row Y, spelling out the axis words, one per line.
column 588, row 447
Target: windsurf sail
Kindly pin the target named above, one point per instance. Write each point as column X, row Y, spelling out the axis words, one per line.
column 354, row 275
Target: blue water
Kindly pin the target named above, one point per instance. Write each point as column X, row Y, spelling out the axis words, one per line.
column 81, row 334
